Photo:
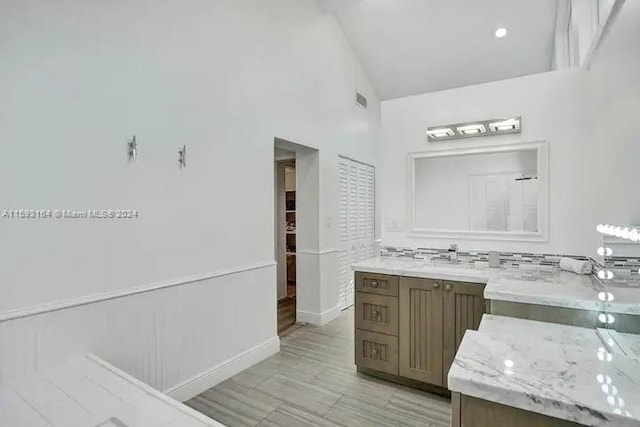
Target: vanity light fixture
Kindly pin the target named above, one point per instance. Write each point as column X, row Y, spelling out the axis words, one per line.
column 604, row 251
column 471, row 129
column 605, row 296
column 606, row 318
column 474, row 129
column 440, row 133
column 505, row 125
column 605, row 274
column 620, row 231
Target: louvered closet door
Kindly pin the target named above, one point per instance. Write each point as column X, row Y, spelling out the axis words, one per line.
column 362, row 212
column 344, row 272
column 370, row 236
column 352, row 221
column 356, row 199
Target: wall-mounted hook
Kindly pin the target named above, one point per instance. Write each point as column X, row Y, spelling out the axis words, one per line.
column 182, row 156
column 132, row 149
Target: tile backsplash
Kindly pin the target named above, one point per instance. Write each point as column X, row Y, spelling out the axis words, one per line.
column 626, row 269
column 511, row 259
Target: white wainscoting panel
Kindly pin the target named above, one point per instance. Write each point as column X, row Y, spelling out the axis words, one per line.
column 164, row 336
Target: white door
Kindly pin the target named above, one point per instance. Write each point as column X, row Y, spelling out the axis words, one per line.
column 343, row 225
column 356, row 198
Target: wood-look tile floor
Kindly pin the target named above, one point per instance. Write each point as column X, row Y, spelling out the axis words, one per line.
column 286, row 314
column 313, row 381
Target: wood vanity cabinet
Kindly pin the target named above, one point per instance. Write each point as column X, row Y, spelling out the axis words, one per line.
column 467, row 411
column 464, row 306
column 421, row 330
column 411, row 328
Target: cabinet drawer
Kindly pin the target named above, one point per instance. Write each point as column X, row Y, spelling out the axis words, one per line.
column 377, row 283
column 377, row 313
column 377, row 351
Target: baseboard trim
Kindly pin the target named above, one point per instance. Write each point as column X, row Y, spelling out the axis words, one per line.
column 318, row 319
column 96, row 298
column 203, row 381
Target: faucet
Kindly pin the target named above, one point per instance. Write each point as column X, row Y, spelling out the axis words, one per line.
column 453, row 253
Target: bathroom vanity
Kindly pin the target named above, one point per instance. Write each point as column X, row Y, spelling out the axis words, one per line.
column 411, row 327
column 531, row 354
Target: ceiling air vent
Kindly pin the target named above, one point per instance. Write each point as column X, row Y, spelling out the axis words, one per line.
column 361, row 100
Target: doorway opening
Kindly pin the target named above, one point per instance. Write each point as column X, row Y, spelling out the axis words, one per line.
column 316, row 284
column 285, row 237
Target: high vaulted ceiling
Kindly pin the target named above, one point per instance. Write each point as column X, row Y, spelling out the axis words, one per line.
column 409, row 47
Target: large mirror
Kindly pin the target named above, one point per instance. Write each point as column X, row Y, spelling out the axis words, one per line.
column 497, row 192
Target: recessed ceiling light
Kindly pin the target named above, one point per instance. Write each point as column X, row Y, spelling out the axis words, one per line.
column 501, row 32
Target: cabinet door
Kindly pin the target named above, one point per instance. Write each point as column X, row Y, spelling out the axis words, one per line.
column 464, row 307
column 420, row 335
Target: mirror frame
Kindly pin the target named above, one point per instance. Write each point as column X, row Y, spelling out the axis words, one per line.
column 542, row 235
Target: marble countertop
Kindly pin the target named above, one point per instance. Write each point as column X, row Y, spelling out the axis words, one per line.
column 560, row 371
column 88, row 392
column 631, row 342
column 512, row 328
column 541, row 285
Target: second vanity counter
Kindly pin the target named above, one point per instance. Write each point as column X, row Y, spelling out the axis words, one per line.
column 560, row 371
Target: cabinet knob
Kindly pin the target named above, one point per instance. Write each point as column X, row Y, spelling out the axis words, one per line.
column 436, row 285
column 374, row 284
column 447, row 287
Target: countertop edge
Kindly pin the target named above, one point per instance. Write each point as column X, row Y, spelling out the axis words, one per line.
column 543, row 406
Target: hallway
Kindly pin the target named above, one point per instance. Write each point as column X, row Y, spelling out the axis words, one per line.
column 313, row 382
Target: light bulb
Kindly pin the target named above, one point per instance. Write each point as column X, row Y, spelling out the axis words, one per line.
column 500, row 33
column 605, row 274
column 605, row 251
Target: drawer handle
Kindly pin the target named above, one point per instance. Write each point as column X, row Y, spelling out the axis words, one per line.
column 436, row 285
column 374, row 284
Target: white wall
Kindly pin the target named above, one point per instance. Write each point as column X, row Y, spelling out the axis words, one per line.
column 588, row 117
column 79, row 78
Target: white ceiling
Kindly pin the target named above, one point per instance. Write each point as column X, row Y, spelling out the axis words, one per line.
column 409, row 47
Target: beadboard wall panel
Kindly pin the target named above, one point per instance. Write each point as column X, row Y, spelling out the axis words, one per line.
column 163, row 336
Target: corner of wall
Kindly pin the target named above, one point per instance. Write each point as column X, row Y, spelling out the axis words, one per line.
column 203, row 381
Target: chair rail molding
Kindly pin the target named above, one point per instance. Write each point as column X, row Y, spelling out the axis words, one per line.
column 39, row 309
